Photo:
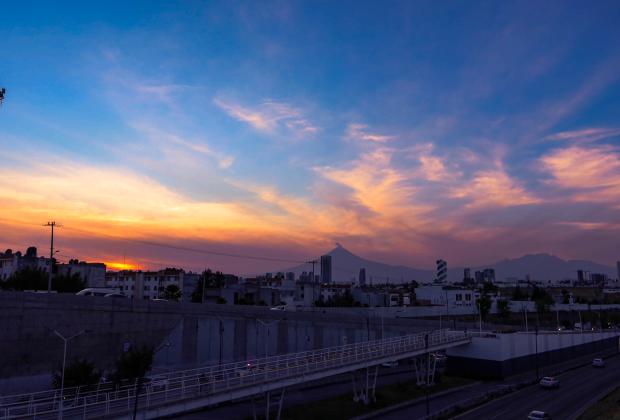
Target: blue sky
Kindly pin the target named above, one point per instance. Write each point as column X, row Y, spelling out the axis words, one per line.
column 404, row 130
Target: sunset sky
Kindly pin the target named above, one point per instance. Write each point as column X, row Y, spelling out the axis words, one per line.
column 407, row 131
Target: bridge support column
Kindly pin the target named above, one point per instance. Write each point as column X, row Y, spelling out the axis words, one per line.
column 364, row 392
column 269, row 404
column 424, row 367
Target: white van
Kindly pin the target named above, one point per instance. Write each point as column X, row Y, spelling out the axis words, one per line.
column 99, row 291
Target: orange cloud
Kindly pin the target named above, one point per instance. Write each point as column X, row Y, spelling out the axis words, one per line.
column 592, row 173
column 493, row 188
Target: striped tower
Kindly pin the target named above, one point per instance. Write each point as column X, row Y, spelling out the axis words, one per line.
column 442, row 272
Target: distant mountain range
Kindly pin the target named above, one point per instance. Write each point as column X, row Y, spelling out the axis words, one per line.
column 346, row 266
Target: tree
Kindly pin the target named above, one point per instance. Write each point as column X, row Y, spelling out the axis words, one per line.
column 518, row 294
column 26, row 279
column 503, row 308
column 68, row 283
column 172, row 292
column 484, row 305
column 205, row 280
column 489, row 287
column 542, row 299
column 133, row 364
column 79, row 372
column 36, row 279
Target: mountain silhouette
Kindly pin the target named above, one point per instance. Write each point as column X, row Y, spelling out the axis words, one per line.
column 346, row 267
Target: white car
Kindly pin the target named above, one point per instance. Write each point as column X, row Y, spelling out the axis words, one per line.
column 389, row 364
column 598, row 362
column 538, row 415
column 549, row 382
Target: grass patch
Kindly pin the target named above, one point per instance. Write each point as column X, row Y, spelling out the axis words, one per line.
column 343, row 406
column 606, row 409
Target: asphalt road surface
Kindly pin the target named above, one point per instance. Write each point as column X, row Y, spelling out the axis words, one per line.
column 577, row 388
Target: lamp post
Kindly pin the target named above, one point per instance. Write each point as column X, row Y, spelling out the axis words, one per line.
column 428, row 366
column 64, row 362
column 536, row 335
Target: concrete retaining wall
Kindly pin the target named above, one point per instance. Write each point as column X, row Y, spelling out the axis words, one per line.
column 185, row 334
column 500, row 355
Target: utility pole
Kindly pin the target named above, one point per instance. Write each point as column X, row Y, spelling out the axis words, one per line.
column 49, row 278
column 312, row 280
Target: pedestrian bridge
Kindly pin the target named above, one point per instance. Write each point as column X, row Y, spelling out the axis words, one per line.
column 185, row 390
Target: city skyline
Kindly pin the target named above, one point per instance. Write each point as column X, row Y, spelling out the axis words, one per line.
column 467, row 132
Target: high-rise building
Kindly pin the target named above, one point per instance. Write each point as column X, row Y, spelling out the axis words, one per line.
column 326, row 268
column 479, row 277
column 362, row 277
column 581, row 277
column 489, row 275
column 466, row 274
column 290, row 276
column 442, row 271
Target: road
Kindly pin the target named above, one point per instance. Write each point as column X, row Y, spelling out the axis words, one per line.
column 577, row 388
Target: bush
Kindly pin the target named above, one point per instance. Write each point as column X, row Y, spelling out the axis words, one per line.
column 79, row 372
column 133, row 364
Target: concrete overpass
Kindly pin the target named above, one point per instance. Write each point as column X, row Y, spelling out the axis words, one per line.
column 186, row 390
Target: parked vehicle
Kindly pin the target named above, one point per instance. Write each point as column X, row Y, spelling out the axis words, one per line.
column 98, row 291
column 538, row 415
column 549, row 382
column 598, row 362
column 116, row 295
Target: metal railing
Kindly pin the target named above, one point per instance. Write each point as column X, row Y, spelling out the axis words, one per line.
column 176, row 386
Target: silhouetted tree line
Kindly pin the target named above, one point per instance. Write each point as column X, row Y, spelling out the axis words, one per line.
column 210, row 280
column 131, row 365
column 346, row 300
column 36, row 279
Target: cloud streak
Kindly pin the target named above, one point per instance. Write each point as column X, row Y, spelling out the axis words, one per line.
column 269, row 116
column 360, row 132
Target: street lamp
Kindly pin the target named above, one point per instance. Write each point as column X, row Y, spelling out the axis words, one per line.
column 64, row 361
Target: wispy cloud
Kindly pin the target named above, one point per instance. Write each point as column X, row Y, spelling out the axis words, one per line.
column 163, row 137
column 269, row 116
column 360, row 132
column 585, row 134
column 586, row 173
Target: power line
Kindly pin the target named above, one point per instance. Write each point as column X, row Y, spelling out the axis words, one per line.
column 195, row 250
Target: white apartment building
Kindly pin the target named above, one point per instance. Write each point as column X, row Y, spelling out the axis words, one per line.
column 144, row 284
column 438, row 295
